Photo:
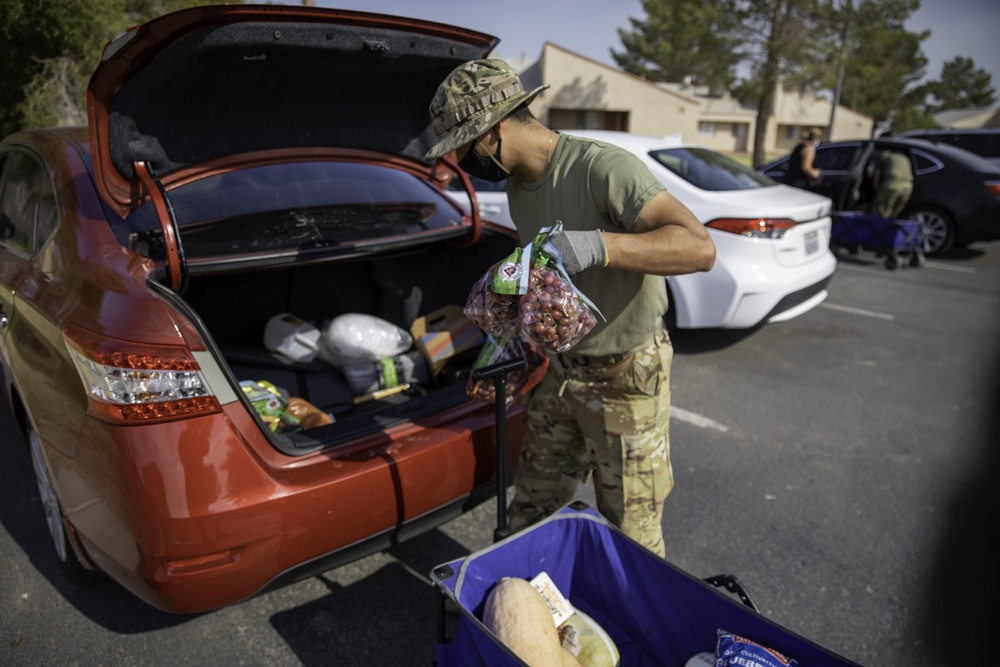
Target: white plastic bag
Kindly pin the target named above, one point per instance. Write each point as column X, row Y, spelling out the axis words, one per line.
column 291, row 337
column 354, row 337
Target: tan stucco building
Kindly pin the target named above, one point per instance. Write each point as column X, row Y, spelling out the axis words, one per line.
column 969, row 119
column 586, row 94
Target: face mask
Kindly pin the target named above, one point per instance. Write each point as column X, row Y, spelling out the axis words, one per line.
column 485, row 167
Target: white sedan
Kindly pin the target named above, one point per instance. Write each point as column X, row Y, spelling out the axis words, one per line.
column 773, row 259
column 492, row 199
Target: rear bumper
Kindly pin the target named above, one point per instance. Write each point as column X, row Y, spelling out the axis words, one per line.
column 800, row 302
column 749, row 287
column 193, row 520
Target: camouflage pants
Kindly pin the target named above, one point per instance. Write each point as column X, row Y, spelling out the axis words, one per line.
column 607, row 417
column 891, row 198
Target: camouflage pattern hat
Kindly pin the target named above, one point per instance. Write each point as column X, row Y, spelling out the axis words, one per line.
column 475, row 97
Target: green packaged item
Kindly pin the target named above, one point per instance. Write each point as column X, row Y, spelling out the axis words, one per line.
column 270, row 405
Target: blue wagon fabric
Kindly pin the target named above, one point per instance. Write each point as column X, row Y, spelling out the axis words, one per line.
column 658, row 615
column 873, row 232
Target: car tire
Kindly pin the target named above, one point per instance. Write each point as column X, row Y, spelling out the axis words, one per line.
column 54, row 518
column 937, row 229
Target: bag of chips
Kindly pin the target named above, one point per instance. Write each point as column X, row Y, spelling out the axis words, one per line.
column 735, row 650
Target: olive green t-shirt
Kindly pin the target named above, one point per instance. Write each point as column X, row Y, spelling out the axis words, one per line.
column 896, row 168
column 593, row 185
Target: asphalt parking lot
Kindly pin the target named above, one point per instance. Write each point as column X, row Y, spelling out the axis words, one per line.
column 820, row 460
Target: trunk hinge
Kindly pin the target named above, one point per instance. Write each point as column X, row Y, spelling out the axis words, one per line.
column 177, row 274
column 477, row 224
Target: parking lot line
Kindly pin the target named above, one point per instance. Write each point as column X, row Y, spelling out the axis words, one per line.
column 698, row 420
column 858, row 311
column 949, row 267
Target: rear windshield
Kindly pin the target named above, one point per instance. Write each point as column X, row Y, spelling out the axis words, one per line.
column 708, row 170
column 305, row 204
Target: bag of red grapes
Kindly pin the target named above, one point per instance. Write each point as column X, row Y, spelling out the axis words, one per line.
column 552, row 312
column 498, row 350
column 496, row 314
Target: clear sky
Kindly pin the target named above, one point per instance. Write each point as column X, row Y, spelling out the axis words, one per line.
column 589, row 27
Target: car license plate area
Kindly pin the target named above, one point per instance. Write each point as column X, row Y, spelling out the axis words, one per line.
column 812, row 243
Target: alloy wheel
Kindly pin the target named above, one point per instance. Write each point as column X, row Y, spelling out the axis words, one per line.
column 936, row 230
column 47, row 493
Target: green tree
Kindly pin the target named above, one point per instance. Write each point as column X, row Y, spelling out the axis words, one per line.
column 780, row 36
column 46, row 40
column 962, row 86
column 683, row 40
column 911, row 117
column 858, row 48
column 51, row 48
column 880, row 58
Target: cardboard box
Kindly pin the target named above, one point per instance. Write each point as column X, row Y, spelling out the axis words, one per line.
column 443, row 334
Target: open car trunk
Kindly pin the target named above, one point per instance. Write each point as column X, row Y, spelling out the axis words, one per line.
column 291, row 139
column 235, row 307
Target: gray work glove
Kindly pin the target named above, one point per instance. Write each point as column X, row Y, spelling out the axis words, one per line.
column 580, row 250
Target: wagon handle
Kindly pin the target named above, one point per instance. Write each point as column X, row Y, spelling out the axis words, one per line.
column 732, row 584
column 499, row 372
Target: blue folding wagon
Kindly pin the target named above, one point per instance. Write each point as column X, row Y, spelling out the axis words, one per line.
column 657, row 615
column 889, row 237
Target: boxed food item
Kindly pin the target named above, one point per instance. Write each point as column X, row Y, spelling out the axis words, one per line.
column 444, row 333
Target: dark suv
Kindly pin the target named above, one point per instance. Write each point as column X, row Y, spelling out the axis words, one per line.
column 984, row 142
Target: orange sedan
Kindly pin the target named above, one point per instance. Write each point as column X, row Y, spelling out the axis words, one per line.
column 245, row 166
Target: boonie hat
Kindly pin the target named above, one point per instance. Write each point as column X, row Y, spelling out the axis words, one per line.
column 474, row 98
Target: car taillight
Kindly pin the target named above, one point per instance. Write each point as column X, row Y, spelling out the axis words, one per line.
column 768, row 228
column 993, row 187
column 138, row 383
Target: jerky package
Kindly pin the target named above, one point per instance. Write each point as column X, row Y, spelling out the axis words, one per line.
column 740, row 651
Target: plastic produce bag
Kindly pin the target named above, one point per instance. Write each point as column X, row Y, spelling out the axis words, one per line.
column 552, row 312
column 496, row 314
column 495, row 351
column 355, row 337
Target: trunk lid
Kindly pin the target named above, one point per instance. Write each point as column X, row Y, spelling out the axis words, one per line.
column 208, row 88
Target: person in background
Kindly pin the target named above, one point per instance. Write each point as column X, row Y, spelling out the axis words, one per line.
column 801, row 172
column 603, row 408
column 893, row 184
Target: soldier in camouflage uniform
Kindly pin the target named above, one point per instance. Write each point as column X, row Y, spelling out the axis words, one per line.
column 893, row 182
column 603, row 408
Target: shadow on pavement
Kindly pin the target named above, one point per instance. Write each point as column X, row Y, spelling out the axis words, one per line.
column 372, row 621
column 698, row 341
